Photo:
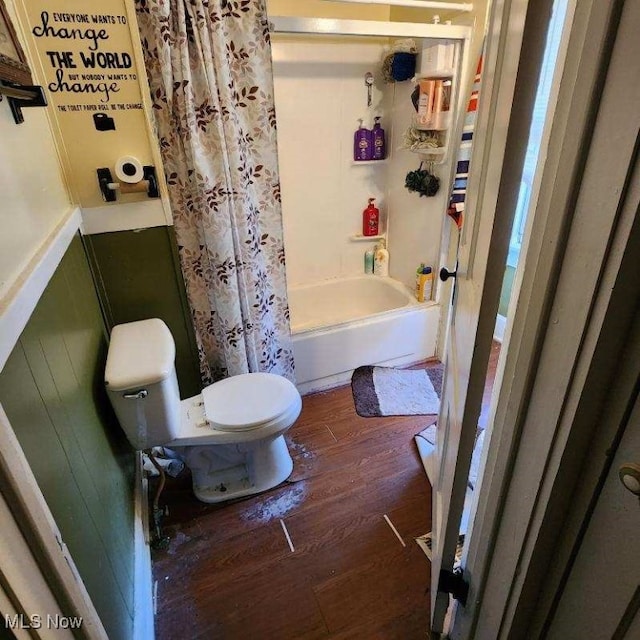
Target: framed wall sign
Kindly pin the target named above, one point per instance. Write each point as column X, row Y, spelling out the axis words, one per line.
column 13, row 64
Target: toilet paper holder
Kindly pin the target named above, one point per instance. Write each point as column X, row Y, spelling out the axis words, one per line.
column 109, row 188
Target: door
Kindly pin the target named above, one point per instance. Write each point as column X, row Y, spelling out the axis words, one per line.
column 496, row 166
column 27, row 604
column 604, row 581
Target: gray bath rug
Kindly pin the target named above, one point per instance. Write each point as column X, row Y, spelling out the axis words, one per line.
column 385, row 391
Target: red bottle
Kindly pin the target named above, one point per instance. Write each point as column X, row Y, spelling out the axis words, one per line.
column 370, row 219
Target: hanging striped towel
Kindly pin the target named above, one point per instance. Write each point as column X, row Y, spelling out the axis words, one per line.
column 459, row 190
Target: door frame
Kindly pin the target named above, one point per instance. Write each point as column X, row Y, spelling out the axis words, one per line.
column 529, row 466
column 38, row 527
column 26, row 600
column 618, row 418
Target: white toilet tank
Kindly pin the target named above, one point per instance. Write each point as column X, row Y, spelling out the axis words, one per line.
column 141, row 382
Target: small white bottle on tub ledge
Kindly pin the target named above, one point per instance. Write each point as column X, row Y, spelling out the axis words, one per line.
column 381, row 259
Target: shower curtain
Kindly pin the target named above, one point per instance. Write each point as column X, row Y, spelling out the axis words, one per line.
column 209, row 68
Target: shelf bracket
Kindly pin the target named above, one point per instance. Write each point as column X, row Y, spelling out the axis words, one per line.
column 21, row 96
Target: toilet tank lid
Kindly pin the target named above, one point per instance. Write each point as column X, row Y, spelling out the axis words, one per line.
column 140, row 353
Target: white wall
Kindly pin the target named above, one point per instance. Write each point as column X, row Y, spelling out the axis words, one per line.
column 320, row 94
column 34, row 198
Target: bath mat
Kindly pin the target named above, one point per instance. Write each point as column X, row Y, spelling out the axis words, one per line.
column 385, row 391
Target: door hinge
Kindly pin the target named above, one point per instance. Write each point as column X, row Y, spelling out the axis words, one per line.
column 453, row 583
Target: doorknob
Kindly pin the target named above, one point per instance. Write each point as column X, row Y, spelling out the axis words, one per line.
column 630, row 477
column 445, row 274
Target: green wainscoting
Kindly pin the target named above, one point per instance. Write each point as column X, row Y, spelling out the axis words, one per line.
column 138, row 277
column 53, row 393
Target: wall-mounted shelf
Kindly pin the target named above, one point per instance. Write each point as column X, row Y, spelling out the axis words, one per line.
column 438, row 74
column 358, row 237
column 438, row 80
column 437, row 156
column 21, row 96
column 369, row 162
column 440, row 121
column 430, row 151
column 432, row 154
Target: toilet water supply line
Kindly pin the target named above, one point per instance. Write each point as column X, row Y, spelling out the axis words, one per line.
column 416, row 4
column 159, row 541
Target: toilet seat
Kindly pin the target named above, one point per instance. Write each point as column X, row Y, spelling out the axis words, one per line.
column 243, row 408
column 247, row 401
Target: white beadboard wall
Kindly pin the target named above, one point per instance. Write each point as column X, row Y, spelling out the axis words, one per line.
column 319, row 95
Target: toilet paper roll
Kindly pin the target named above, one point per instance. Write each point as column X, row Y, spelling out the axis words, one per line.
column 129, row 169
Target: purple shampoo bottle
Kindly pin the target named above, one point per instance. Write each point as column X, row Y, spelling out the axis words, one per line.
column 379, row 144
column 362, row 144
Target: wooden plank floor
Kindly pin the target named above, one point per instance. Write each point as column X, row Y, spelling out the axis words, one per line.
column 229, row 572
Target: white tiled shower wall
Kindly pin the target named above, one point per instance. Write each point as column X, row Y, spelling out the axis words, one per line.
column 320, row 94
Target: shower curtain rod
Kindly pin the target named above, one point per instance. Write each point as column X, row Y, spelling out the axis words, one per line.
column 327, row 26
column 418, row 4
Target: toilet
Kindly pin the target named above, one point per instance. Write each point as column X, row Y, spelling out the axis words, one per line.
column 231, row 435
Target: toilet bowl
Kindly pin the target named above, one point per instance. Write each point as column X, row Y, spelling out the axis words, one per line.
column 231, row 435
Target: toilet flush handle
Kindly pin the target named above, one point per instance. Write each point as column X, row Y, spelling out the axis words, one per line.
column 138, row 395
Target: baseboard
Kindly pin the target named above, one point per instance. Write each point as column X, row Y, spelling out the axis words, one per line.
column 341, row 379
column 143, row 606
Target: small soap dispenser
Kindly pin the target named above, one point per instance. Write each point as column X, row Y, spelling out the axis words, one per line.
column 362, row 143
column 379, row 144
column 381, row 259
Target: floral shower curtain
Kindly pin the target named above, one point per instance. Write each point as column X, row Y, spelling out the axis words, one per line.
column 209, row 67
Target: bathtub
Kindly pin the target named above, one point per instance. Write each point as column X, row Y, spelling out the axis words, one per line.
column 339, row 325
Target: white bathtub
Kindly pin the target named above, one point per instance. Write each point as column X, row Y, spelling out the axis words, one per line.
column 339, row 325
